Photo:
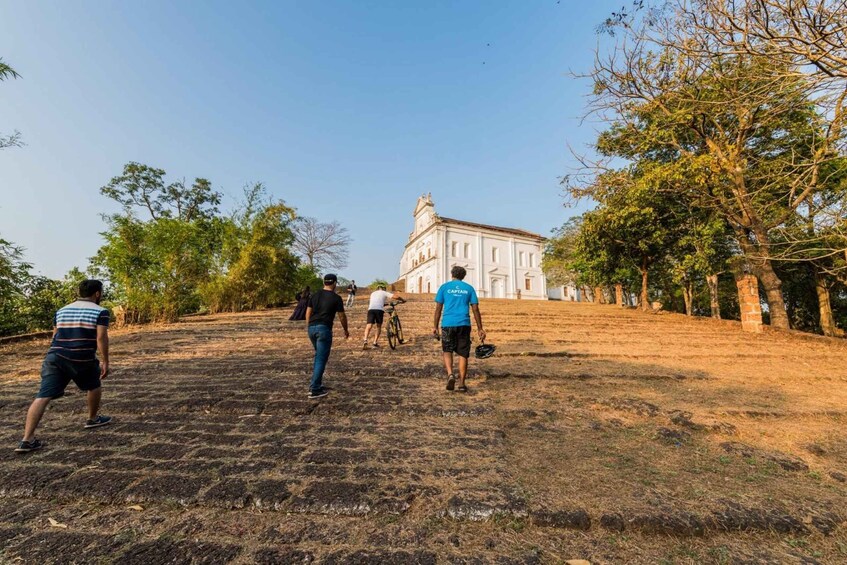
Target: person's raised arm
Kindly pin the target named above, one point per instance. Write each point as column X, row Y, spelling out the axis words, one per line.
column 103, row 348
column 478, row 317
column 438, row 308
column 342, row 317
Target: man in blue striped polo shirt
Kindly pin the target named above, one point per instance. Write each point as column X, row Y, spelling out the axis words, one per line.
column 79, row 330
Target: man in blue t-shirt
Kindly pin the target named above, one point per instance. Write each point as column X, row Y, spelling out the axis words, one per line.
column 453, row 299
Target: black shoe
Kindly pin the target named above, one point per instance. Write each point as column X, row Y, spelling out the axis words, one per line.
column 98, row 421
column 27, row 446
column 318, row 393
column 376, row 345
column 451, row 382
column 462, row 388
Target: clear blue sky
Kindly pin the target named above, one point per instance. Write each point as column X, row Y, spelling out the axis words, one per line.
column 346, row 110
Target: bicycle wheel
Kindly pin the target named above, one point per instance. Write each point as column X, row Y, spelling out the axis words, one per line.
column 399, row 331
column 392, row 333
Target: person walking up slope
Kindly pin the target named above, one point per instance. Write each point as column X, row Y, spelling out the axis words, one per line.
column 453, row 300
column 351, row 293
column 320, row 316
column 80, row 329
column 376, row 312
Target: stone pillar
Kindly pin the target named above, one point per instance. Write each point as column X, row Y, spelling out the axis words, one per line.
column 748, row 301
column 619, row 295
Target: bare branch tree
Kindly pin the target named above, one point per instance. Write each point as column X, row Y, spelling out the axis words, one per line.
column 322, row 245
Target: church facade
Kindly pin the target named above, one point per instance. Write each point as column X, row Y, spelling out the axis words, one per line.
column 501, row 262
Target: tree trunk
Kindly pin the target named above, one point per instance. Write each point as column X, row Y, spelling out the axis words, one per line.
column 773, row 290
column 687, row 295
column 645, row 298
column 825, row 306
column 763, row 269
column 599, row 297
column 712, row 281
column 619, row 294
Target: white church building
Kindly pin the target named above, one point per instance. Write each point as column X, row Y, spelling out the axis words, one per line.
column 501, row 262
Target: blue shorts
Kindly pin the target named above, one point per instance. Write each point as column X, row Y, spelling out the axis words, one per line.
column 57, row 372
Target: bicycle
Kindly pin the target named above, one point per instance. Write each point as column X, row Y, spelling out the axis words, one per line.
column 394, row 330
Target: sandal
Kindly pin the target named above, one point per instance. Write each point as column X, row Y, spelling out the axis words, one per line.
column 463, row 388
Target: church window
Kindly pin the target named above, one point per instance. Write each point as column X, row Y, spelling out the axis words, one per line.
column 495, row 255
column 532, row 259
column 520, row 258
column 454, row 249
column 467, row 250
column 528, row 284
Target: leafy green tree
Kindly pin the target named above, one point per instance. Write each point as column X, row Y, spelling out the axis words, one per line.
column 560, row 254
column 377, row 282
column 257, row 267
column 157, row 265
column 14, row 276
column 747, row 123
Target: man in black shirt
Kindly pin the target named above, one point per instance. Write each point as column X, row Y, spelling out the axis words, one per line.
column 320, row 315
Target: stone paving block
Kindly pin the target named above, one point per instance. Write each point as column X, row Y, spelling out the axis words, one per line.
column 16, row 511
column 281, row 452
column 169, row 551
column 270, row 556
column 230, row 493
column 33, row 480
column 479, row 506
column 174, row 488
column 191, row 467
column 270, row 494
column 94, row 485
column 240, row 407
column 375, row 557
column 249, row 468
column 574, row 519
column 333, row 456
column 335, row 497
column 8, row 536
column 59, row 547
column 127, row 463
column 77, row 457
column 165, row 451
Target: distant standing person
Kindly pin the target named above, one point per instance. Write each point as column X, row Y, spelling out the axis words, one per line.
column 453, row 299
column 80, row 329
column 320, row 316
column 376, row 312
column 302, row 303
column 351, row 293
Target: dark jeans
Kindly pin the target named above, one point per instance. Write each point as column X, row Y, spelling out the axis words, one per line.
column 321, row 337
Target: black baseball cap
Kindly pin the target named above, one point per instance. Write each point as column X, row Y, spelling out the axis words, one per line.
column 329, row 278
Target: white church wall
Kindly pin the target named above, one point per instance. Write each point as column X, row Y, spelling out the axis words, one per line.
column 434, row 248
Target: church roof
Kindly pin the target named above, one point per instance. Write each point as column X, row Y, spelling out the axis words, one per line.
column 511, row 231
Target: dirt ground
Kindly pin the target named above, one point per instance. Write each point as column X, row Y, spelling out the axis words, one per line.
column 594, row 433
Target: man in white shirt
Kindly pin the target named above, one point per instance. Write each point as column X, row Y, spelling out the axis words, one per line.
column 376, row 312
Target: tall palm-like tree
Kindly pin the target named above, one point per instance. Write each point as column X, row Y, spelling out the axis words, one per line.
column 6, row 71
column 13, row 140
